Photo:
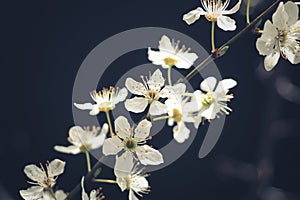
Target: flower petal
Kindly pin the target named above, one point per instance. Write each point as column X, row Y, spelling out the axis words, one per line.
column 98, row 141
column 224, row 86
column 193, row 15
column 208, row 84
column 157, row 58
column 271, row 60
column 84, row 195
column 70, row 149
column 77, row 136
column 156, row 80
column 280, row 17
column 157, row 108
column 132, row 196
column 138, row 184
column 149, row 156
column 124, row 164
column 34, row 173
column 186, row 60
column 112, row 146
column 165, row 45
column 120, row 96
column 142, row 130
column 122, row 183
column 226, row 23
column 32, row 193
column 135, row 87
column 88, row 106
column 181, row 132
column 60, row 195
column 136, row 104
column 211, row 111
column 234, row 9
column 122, row 127
column 293, row 12
column 55, row 167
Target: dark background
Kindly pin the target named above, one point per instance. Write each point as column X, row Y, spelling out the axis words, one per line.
column 43, row 45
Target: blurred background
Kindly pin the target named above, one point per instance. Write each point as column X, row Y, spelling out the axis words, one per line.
column 43, row 45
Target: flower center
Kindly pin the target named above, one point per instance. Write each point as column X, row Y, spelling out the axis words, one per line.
column 170, row 61
column 85, row 148
column 207, row 100
column 49, row 182
column 130, row 144
column 177, row 116
column 282, row 36
column 152, row 94
column 212, row 17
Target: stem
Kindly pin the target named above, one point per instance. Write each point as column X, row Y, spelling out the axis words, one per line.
column 88, row 177
column 169, row 76
column 213, row 48
column 212, row 56
column 109, row 123
column 88, row 160
column 248, row 12
column 105, row 181
column 52, row 193
column 162, row 117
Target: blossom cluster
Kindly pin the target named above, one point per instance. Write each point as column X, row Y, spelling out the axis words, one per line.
column 159, row 99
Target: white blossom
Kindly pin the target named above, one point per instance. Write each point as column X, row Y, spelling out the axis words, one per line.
column 132, row 143
column 134, row 181
column 84, row 139
column 94, row 194
column 281, row 37
column 43, row 179
column 106, row 100
column 150, row 92
column 178, row 113
column 212, row 99
column 170, row 54
column 59, row 195
column 214, row 11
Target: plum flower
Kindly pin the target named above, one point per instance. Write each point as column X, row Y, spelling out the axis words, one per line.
column 281, row 37
column 134, row 181
column 150, row 91
column 106, row 100
column 43, row 179
column 178, row 113
column 214, row 11
column 170, row 55
column 84, row 139
column 59, row 195
column 94, row 194
column 213, row 100
column 133, row 143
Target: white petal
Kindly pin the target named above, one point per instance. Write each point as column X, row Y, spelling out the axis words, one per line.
column 99, row 140
column 96, row 110
column 55, row 167
column 224, row 86
column 271, row 60
column 34, row 173
column 132, row 196
column 135, row 87
column 122, row 127
column 293, row 12
column 136, row 104
column 112, row 146
column 157, row 58
column 165, row 45
column 149, row 156
column 120, row 96
column 211, row 111
column 60, row 195
column 280, row 17
column 124, row 164
column 193, row 15
column 234, row 9
column 208, row 84
column 226, row 23
column 122, row 183
column 181, row 132
column 70, row 149
column 139, row 183
column 269, row 32
column 157, row 108
column 77, row 136
column 156, row 80
column 186, row 60
column 84, row 195
column 85, row 106
column 32, row 193
column 142, row 130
